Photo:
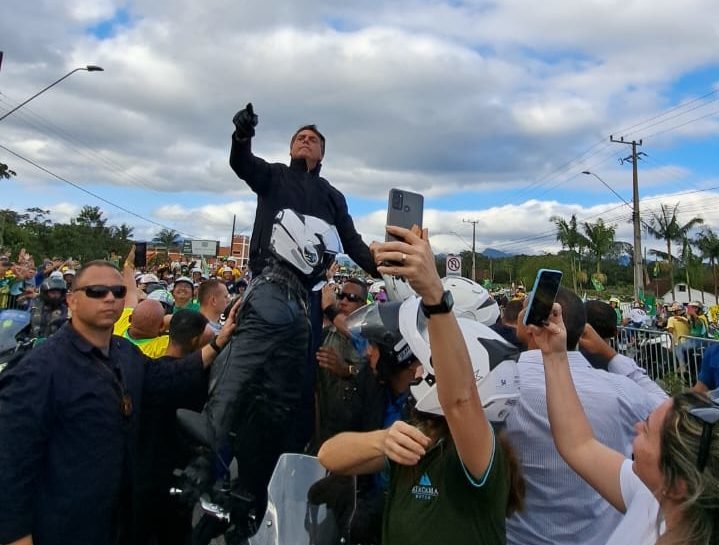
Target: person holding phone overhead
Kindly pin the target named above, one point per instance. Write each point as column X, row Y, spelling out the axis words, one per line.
column 560, row 508
column 669, row 492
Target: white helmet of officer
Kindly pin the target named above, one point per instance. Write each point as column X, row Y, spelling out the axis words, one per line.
column 471, row 300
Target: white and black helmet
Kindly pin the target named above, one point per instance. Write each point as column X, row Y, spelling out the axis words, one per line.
column 494, row 362
column 307, row 243
column 471, row 300
column 378, row 323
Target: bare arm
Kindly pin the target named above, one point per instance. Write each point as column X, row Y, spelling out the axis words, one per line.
column 27, row 540
column 573, row 436
column 456, row 389
column 208, row 352
column 354, row 453
column 128, row 279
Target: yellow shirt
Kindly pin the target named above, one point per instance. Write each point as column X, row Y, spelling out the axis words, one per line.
column 153, row 348
column 678, row 327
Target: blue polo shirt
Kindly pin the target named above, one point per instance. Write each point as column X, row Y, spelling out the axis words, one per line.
column 709, row 373
column 67, row 451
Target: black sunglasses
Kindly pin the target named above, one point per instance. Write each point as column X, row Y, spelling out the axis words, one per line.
column 98, row 291
column 351, row 297
column 708, row 416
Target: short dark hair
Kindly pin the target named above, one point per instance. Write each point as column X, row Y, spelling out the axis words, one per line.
column 602, row 318
column 207, row 288
column 511, row 311
column 95, row 263
column 574, row 315
column 185, row 326
column 358, row 282
column 315, row 130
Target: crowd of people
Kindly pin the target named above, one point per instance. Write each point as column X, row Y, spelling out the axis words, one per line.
column 461, row 423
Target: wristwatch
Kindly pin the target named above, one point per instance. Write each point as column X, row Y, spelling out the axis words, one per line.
column 443, row 307
column 354, row 370
column 215, row 346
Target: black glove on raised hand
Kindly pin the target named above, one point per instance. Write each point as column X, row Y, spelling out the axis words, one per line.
column 245, row 122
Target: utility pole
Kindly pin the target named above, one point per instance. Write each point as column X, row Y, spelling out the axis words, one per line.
column 474, row 238
column 232, row 237
column 636, row 219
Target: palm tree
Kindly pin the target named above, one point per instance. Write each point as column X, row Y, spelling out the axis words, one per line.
column 5, row 172
column 708, row 243
column 600, row 240
column 665, row 226
column 570, row 237
column 168, row 238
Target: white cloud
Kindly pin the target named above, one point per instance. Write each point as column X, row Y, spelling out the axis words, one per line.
column 439, row 97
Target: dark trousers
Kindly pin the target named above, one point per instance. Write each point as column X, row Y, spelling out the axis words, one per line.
column 257, row 389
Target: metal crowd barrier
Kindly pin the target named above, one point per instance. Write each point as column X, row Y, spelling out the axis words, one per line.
column 653, row 351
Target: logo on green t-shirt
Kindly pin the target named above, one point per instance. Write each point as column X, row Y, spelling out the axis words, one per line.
column 424, row 490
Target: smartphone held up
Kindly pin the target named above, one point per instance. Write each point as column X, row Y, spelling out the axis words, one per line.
column 404, row 209
column 545, row 289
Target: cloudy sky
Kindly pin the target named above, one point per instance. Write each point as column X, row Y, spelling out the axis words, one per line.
column 491, row 109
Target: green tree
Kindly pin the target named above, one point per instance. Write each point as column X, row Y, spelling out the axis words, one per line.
column 600, row 240
column 665, row 226
column 5, row 172
column 708, row 243
column 570, row 237
column 169, row 238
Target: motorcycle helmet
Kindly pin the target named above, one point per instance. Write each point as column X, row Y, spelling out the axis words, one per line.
column 471, row 300
column 165, row 298
column 494, row 362
column 307, row 243
column 53, row 283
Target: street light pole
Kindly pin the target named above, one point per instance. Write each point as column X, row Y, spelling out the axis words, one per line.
column 88, row 68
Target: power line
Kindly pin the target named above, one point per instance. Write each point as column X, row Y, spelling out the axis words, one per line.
column 670, row 110
column 44, row 125
column 76, row 186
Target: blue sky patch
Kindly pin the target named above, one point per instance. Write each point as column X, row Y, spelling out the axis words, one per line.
column 109, row 27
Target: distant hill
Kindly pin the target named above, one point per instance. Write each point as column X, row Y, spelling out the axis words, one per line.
column 495, row 254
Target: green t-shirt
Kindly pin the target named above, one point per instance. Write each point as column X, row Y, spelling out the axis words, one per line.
column 699, row 326
column 437, row 501
column 192, row 305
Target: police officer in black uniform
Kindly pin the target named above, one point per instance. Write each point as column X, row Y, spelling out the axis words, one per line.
column 49, row 310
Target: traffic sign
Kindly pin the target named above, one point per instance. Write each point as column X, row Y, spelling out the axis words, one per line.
column 454, row 265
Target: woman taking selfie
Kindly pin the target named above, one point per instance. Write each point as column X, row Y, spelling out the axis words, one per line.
column 670, row 491
column 450, row 479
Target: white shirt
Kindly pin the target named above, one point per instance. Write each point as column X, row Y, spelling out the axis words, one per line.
column 641, row 524
column 560, row 508
column 637, row 316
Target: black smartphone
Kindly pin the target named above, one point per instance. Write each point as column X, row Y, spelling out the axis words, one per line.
column 542, row 297
column 140, row 254
column 404, row 209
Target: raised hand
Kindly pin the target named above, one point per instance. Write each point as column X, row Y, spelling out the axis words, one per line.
column 245, row 122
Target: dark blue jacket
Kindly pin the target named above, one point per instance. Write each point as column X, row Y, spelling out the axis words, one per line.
column 67, row 452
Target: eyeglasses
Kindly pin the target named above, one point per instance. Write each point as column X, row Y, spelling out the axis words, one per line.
column 351, row 297
column 708, row 416
column 98, row 291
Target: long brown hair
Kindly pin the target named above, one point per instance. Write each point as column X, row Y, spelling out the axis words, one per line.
column 680, row 441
